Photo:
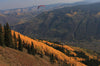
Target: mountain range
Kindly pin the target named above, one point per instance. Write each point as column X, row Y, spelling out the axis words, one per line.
column 77, row 24
column 22, row 15
column 69, row 23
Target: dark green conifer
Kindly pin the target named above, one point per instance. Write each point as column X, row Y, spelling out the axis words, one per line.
column 25, row 45
column 32, row 49
column 20, row 45
column 1, row 36
column 15, row 41
column 52, row 59
column 41, row 55
column 8, row 36
column 29, row 49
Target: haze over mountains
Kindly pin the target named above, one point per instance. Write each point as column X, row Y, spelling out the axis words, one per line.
column 4, row 4
column 34, row 8
column 92, row 0
column 22, row 15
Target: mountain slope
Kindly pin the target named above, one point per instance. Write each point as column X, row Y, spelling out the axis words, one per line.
column 34, row 8
column 77, row 26
column 11, row 57
column 62, row 53
column 22, row 15
column 71, row 23
column 47, row 50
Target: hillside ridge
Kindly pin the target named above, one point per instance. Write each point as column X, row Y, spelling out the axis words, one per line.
column 49, row 50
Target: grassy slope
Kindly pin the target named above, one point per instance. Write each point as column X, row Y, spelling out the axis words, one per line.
column 11, row 57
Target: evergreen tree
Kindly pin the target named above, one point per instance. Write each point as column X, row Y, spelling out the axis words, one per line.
column 41, row 55
column 25, row 45
column 20, row 45
column 8, row 36
column 52, row 59
column 1, row 36
column 15, row 41
column 29, row 49
column 32, row 49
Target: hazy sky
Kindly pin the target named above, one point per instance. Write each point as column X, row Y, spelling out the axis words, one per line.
column 9, row 4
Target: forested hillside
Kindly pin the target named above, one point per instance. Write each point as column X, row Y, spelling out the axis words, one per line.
column 54, row 53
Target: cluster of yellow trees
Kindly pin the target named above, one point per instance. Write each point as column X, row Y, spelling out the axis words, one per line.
column 49, row 51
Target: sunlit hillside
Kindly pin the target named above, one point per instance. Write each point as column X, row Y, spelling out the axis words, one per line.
column 70, row 56
column 47, row 50
column 76, row 26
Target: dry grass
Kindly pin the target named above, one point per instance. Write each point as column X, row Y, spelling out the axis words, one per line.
column 11, row 57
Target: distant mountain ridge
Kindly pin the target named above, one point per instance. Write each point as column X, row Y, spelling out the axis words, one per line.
column 22, row 15
column 69, row 23
column 34, row 8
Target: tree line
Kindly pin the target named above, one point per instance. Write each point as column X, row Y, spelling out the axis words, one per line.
column 9, row 40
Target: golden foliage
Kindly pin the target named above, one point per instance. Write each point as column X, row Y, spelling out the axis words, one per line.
column 79, row 59
column 18, row 10
column 98, row 13
column 71, row 15
column 62, row 46
column 47, row 50
column 86, row 53
column 2, row 15
column 18, row 13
